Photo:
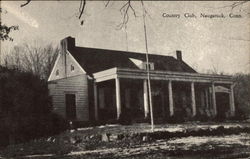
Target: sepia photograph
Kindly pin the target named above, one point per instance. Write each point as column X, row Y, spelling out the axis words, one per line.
column 132, row 79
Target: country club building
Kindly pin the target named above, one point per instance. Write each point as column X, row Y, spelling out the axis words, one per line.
column 89, row 84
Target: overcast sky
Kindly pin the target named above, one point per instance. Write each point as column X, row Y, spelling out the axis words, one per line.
column 223, row 43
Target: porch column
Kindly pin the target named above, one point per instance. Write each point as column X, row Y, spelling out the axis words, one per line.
column 95, row 101
column 118, row 97
column 207, row 102
column 231, row 98
column 170, row 98
column 193, row 99
column 214, row 100
column 145, row 98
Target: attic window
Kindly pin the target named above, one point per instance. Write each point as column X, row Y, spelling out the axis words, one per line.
column 72, row 68
column 57, row 72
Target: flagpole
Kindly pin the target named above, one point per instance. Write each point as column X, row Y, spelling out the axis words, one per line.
column 148, row 73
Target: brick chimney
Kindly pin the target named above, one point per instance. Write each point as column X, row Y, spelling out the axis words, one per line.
column 178, row 55
column 67, row 43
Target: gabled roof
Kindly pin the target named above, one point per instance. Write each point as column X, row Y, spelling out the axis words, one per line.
column 94, row 60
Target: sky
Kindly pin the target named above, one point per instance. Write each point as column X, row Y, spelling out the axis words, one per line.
column 206, row 43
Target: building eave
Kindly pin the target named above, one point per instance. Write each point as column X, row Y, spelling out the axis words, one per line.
column 161, row 75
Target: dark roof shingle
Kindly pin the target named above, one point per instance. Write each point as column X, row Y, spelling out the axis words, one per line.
column 94, row 60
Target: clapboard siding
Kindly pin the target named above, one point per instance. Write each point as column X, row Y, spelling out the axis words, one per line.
column 77, row 85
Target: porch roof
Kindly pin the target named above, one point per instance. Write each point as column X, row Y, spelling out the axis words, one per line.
column 161, row 75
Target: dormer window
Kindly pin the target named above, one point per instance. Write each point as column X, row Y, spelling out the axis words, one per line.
column 57, row 72
column 72, row 68
column 142, row 64
column 150, row 65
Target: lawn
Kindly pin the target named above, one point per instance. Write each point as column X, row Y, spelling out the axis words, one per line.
column 201, row 140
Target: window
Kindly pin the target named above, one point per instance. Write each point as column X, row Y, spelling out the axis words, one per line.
column 150, row 66
column 57, row 72
column 72, row 68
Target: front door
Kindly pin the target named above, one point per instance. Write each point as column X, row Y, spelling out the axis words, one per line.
column 158, row 108
column 70, row 106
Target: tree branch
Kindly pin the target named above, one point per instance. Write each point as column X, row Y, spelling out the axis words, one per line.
column 82, row 7
column 27, row 2
column 106, row 5
column 235, row 4
column 145, row 10
column 125, row 12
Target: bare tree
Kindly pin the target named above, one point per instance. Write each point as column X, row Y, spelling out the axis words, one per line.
column 214, row 68
column 36, row 59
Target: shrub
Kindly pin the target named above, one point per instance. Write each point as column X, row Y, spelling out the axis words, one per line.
column 25, row 107
column 242, row 95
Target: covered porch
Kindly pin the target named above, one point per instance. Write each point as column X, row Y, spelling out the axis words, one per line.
column 123, row 93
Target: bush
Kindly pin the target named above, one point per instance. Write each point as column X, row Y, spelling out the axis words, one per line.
column 25, row 107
